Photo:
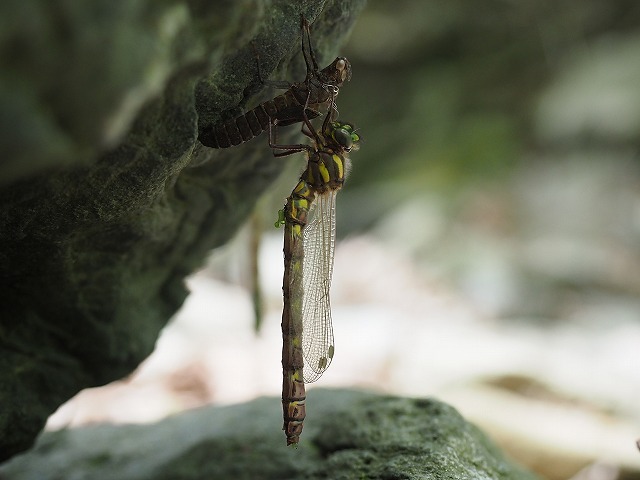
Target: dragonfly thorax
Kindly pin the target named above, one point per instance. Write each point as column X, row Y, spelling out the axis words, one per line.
column 325, row 171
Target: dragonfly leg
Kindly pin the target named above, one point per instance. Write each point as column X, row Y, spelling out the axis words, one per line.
column 332, row 114
column 282, row 84
column 309, row 54
column 288, row 149
column 306, row 131
column 311, row 131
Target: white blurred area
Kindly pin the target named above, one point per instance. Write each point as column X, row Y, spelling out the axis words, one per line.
column 520, row 306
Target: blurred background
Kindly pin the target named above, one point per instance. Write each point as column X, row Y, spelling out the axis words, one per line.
column 489, row 249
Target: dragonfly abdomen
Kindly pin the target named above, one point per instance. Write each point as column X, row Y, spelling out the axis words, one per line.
column 285, row 109
column 293, row 388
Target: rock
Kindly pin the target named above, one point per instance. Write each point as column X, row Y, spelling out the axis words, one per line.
column 347, row 435
column 107, row 201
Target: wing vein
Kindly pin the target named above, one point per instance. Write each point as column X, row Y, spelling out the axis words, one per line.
column 319, row 247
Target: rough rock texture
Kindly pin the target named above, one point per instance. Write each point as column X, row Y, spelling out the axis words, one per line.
column 107, row 200
column 348, row 435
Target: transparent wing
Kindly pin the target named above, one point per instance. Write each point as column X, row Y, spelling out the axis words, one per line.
column 319, row 237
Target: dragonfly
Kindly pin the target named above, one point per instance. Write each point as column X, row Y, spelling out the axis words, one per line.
column 307, row 98
column 309, row 219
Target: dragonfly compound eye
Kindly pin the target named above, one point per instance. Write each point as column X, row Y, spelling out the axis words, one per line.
column 343, row 138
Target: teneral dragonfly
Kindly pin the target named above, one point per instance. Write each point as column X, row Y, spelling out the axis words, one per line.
column 307, row 98
column 309, row 241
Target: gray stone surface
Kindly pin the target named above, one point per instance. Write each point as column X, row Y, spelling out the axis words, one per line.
column 107, row 201
column 347, row 435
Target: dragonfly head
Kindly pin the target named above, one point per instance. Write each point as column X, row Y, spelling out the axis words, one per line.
column 343, row 135
column 338, row 72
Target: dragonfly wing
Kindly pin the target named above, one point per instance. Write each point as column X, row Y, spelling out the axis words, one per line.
column 319, row 239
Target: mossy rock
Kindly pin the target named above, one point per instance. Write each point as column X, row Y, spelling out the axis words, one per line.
column 348, row 435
